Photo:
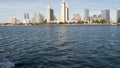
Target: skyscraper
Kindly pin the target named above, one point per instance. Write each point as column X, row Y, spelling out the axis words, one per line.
column 118, row 15
column 64, row 12
column 86, row 15
column 106, row 15
column 37, row 18
column 26, row 18
column 50, row 14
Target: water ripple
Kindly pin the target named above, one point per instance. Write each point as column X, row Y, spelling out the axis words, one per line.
column 62, row 46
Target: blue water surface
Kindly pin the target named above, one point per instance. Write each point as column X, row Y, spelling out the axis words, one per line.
column 62, row 46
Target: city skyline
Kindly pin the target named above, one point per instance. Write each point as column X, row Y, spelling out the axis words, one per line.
column 18, row 8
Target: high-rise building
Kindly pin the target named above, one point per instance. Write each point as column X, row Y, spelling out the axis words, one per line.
column 106, row 15
column 50, row 14
column 76, row 17
column 118, row 15
column 64, row 12
column 26, row 18
column 86, row 15
column 37, row 18
column 13, row 20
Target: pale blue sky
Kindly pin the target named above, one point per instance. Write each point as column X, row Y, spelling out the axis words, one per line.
column 19, row 7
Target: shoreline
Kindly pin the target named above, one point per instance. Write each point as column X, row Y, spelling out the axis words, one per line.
column 62, row 25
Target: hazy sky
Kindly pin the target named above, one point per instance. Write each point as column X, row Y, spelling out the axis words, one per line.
column 19, row 7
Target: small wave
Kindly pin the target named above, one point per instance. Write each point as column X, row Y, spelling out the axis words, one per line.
column 6, row 64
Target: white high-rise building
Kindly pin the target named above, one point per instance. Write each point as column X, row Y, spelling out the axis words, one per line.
column 13, row 20
column 64, row 12
column 118, row 15
column 37, row 18
column 106, row 15
column 50, row 14
column 86, row 15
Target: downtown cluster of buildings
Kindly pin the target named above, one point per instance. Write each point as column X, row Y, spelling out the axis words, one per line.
column 51, row 18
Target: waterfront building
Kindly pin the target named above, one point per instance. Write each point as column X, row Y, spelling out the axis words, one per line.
column 106, row 15
column 76, row 17
column 64, row 12
column 37, row 18
column 99, row 17
column 91, row 19
column 26, row 21
column 57, row 19
column 13, row 20
column 86, row 15
column 118, row 15
column 95, row 17
column 26, row 18
column 50, row 14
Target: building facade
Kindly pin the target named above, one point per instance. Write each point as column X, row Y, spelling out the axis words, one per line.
column 76, row 17
column 50, row 14
column 118, row 15
column 13, row 20
column 37, row 18
column 64, row 12
column 26, row 18
column 95, row 17
column 106, row 15
column 86, row 15
column 99, row 17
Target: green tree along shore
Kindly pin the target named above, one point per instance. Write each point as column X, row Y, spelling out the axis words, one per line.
column 94, row 22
